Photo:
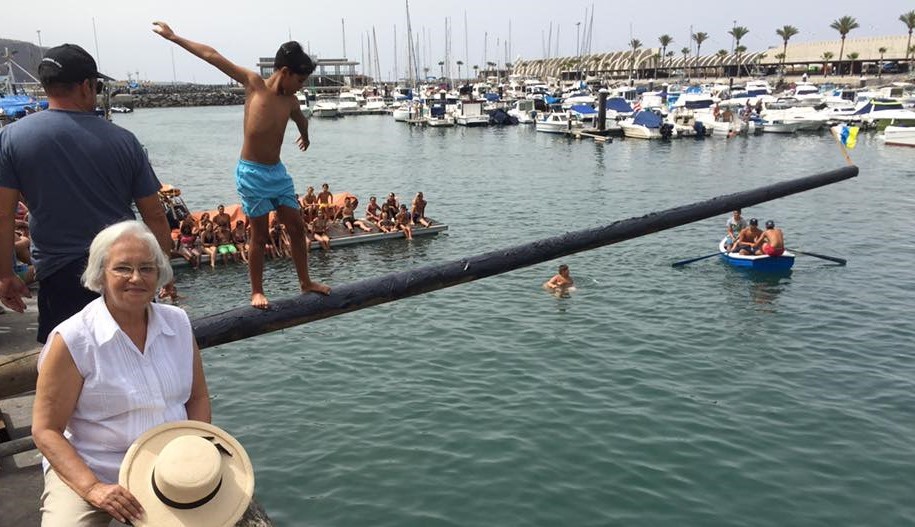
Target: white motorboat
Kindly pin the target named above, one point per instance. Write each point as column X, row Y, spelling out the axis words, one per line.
column 793, row 110
column 302, row 97
column 471, row 114
column 374, row 103
column 878, row 113
column 899, row 135
column 780, row 127
column 643, row 125
column 806, row 91
column 406, row 111
column 557, row 123
column 438, row 115
column 326, row 108
column 347, row 103
column 524, row 111
column 685, row 124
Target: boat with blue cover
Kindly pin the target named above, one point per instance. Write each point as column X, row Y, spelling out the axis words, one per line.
column 762, row 263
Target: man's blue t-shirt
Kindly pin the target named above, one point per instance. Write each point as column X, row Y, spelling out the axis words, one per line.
column 78, row 173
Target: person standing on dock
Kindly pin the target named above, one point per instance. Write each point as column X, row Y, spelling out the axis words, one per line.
column 78, row 173
column 261, row 179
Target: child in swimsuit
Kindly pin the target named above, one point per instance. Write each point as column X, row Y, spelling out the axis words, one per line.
column 260, row 177
column 402, row 222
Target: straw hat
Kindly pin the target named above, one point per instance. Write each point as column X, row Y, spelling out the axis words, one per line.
column 188, row 473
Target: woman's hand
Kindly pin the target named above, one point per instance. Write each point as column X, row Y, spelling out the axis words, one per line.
column 115, row 500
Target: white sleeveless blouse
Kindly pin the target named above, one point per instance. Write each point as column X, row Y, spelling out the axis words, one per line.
column 124, row 392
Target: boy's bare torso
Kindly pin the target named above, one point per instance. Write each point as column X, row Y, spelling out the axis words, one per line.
column 266, row 116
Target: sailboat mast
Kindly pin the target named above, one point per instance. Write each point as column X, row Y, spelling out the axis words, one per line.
column 377, row 62
column 410, row 55
column 343, row 26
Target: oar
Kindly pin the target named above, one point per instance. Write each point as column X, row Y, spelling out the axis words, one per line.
column 839, row 261
column 691, row 260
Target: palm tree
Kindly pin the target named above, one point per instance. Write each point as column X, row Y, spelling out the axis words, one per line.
column 635, row 44
column 909, row 20
column 786, row 32
column 441, row 69
column 722, row 55
column 882, row 52
column 738, row 32
column 699, row 37
column 476, row 70
column 827, row 56
column 853, row 56
column 459, row 64
column 685, row 52
column 844, row 26
column 426, row 72
column 665, row 40
column 738, row 51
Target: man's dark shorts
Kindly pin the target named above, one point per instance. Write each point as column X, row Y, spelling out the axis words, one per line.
column 61, row 296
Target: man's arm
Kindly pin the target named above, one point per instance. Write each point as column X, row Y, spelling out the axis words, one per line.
column 242, row 75
column 153, row 215
column 12, row 289
column 302, row 123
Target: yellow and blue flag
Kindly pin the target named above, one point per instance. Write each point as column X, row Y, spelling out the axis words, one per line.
column 848, row 135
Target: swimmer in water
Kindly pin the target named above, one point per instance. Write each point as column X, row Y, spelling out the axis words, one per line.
column 562, row 282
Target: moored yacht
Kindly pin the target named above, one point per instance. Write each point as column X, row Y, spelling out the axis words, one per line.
column 557, row 123
column 471, row 114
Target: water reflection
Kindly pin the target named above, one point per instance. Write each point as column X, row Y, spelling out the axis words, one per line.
column 763, row 289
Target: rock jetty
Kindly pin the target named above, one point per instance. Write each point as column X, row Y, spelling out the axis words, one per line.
column 169, row 96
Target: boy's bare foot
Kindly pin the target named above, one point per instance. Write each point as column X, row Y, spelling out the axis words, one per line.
column 315, row 287
column 259, row 301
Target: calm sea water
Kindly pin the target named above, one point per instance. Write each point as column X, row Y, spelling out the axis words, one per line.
column 652, row 396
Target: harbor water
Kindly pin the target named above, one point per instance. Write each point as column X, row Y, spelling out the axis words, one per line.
column 651, row 396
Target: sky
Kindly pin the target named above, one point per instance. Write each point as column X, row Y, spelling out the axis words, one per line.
column 244, row 30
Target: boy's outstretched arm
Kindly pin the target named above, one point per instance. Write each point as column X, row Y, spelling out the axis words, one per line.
column 236, row 72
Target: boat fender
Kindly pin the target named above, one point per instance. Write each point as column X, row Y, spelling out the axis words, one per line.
column 667, row 130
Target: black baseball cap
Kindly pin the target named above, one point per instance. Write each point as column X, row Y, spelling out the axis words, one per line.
column 770, row 224
column 754, row 221
column 68, row 63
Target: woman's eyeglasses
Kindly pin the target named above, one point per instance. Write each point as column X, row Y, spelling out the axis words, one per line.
column 126, row 271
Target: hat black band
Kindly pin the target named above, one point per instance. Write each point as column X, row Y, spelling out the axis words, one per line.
column 183, row 506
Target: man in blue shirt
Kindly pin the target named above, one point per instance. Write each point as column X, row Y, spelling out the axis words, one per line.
column 78, row 173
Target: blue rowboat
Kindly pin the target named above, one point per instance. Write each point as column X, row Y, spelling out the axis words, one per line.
column 762, row 263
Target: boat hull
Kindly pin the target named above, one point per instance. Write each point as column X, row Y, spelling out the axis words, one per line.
column 899, row 135
column 762, row 263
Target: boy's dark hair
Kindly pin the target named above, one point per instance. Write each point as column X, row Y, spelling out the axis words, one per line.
column 292, row 56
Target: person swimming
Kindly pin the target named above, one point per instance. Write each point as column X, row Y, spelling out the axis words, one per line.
column 562, row 282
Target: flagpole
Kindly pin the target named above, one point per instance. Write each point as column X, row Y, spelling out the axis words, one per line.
column 835, row 135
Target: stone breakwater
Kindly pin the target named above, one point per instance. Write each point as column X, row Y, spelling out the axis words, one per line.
column 176, row 96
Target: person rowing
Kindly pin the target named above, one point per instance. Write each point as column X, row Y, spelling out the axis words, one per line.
column 745, row 243
column 772, row 240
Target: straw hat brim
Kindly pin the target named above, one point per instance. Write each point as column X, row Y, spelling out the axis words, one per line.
column 224, row 510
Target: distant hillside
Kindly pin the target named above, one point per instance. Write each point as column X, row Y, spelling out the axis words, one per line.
column 26, row 54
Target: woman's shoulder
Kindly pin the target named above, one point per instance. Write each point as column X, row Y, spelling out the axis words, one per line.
column 172, row 315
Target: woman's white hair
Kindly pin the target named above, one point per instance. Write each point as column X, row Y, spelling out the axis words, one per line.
column 94, row 276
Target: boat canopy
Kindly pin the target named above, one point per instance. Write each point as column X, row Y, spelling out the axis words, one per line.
column 697, row 104
column 17, row 106
column 492, row 97
column 551, row 100
column 647, row 119
column 879, row 105
column 583, row 109
column 618, row 104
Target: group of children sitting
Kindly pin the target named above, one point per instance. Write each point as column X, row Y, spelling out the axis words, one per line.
column 218, row 237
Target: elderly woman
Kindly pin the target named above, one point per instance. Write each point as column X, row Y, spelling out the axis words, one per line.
column 117, row 368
